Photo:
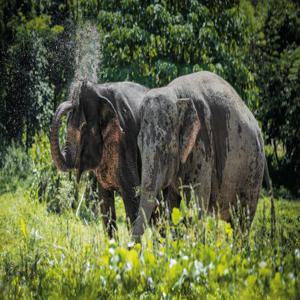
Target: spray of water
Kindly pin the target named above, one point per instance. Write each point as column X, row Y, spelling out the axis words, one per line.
column 87, row 57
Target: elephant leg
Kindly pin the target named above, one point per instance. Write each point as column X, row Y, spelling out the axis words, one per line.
column 202, row 186
column 244, row 196
column 173, row 199
column 147, row 205
column 131, row 203
column 199, row 193
column 90, row 193
column 167, row 200
column 197, row 176
column 129, row 180
column 150, row 186
column 244, row 209
column 248, row 196
column 108, row 210
column 159, row 211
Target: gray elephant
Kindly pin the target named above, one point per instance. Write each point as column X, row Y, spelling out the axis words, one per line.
column 102, row 129
column 198, row 131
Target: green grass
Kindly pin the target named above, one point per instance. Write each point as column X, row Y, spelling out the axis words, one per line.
column 45, row 255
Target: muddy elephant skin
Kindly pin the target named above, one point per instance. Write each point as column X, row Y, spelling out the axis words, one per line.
column 102, row 128
column 199, row 131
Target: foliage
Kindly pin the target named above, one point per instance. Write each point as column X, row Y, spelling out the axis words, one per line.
column 252, row 44
column 153, row 43
column 58, row 190
column 15, row 168
column 48, row 185
column 277, row 63
column 49, row 256
column 34, row 75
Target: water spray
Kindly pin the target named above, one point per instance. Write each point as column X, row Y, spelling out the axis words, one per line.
column 87, row 58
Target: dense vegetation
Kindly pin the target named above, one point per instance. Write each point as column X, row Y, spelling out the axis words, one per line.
column 255, row 45
column 277, row 65
column 45, row 256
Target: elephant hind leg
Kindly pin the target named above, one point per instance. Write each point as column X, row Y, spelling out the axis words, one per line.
column 250, row 189
column 159, row 210
column 236, row 209
column 168, row 200
column 242, row 214
column 173, row 199
column 244, row 210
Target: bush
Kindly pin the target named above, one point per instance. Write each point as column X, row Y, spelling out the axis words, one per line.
column 35, row 71
column 47, row 256
column 252, row 44
column 277, row 65
column 15, row 168
column 59, row 190
column 153, row 43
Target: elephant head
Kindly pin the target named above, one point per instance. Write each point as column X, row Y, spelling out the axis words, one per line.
column 92, row 124
column 169, row 127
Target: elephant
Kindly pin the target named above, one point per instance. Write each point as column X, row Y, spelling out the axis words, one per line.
column 102, row 129
column 197, row 131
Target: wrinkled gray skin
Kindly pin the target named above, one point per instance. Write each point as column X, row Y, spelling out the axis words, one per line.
column 102, row 129
column 198, row 129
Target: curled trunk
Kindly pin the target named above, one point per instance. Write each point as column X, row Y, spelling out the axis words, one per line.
column 59, row 158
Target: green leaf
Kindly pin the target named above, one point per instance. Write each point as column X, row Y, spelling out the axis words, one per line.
column 176, row 216
column 23, row 228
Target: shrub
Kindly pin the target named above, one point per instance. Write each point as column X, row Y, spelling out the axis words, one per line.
column 59, row 190
column 153, row 43
column 15, row 168
column 277, row 67
column 46, row 256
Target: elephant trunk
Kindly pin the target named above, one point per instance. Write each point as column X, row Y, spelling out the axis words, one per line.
column 59, row 158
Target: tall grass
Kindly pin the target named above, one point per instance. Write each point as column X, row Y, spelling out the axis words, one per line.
column 53, row 246
column 45, row 255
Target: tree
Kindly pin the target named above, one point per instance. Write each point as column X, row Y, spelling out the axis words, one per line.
column 277, row 65
column 153, row 43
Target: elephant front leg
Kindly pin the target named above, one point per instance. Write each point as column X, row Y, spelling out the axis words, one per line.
column 90, row 194
column 131, row 203
column 173, row 200
column 148, row 202
column 108, row 211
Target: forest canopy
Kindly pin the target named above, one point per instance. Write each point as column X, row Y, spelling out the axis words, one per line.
column 254, row 45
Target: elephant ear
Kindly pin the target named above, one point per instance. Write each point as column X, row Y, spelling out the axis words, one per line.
column 189, row 127
column 110, row 123
column 102, row 128
column 106, row 110
column 96, row 106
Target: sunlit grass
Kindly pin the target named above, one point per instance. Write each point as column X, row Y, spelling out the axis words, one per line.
column 61, row 256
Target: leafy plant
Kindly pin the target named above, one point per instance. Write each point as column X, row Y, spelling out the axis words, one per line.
column 44, row 255
column 277, row 65
column 15, row 168
column 163, row 41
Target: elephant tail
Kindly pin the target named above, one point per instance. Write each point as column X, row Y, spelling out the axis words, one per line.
column 269, row 187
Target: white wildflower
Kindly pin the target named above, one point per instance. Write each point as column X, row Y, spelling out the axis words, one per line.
column 262, row 264
column 172, row 262
column 128, row 266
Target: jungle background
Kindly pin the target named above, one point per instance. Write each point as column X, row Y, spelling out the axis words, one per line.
column 52, row 243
